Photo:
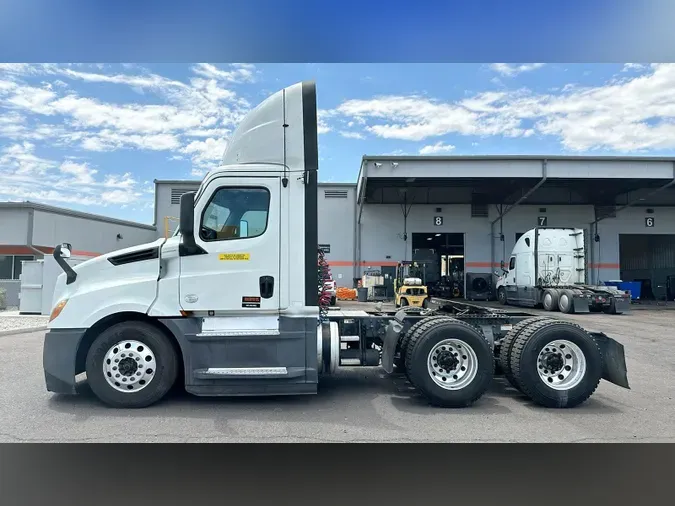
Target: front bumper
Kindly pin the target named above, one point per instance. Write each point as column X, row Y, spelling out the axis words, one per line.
column 59, row 357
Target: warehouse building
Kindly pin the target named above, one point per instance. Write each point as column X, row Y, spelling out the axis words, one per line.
column 463, row 215
column 29, row 231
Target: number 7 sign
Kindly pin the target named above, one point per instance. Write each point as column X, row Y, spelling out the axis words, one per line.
column 542, row 220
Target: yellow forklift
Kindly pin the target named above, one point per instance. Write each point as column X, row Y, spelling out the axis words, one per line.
column 410, row 286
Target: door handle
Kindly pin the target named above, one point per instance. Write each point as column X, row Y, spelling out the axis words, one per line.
column 266, row 287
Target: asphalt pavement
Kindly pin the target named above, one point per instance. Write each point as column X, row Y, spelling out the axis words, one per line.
column 357, row 405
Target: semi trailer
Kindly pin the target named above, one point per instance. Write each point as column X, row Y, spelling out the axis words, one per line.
column 548, row 268
column 230, row 306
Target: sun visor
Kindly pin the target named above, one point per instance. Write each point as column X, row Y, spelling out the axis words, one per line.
column 280, row 130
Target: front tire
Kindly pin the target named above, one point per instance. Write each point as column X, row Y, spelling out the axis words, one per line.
column 501, row 295
column 450, row 362
column 131, row 365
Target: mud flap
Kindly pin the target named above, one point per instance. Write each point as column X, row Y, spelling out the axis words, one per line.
column 580, row 304
column 389, row 346
column 622, row 304
column 614, row 360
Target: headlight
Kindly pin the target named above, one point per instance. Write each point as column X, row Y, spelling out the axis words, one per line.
column 57, row 309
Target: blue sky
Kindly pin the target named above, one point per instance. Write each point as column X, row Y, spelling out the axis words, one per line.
column 93, row 137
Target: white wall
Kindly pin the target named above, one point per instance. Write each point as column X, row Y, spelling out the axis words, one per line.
column 382, row 224
column 13, row 226
column 50, row 229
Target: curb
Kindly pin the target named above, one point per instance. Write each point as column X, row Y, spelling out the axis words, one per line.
column 22, row 331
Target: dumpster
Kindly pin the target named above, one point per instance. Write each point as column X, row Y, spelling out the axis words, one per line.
column 362, row 294
column 634, row 287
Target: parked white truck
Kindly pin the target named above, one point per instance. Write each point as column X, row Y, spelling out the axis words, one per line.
column 232, row 308
column 548, row 268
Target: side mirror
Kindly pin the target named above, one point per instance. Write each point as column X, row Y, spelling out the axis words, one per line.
column 502, row 265
column 65, row 250
column 187, row 220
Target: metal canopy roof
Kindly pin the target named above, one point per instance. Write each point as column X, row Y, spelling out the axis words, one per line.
column 507, row 179
column 500, row 190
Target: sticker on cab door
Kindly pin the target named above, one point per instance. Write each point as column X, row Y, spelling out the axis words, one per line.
column 234, row 256
column 253, row 302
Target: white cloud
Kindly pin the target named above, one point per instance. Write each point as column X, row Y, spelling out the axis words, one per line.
column 21, row 160
column 511, row 70
column 205, row 154
column 352, row 135
column 437, row 148
column 26, row 175
column 636, row 113
column 240, row 72
column 81, row 172
column 637, row 67
column 203, row 107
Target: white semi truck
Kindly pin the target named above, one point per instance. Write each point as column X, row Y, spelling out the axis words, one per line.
column 548, row 268
column 229, row 305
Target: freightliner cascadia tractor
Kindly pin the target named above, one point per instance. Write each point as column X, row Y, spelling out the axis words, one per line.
column 229, row 305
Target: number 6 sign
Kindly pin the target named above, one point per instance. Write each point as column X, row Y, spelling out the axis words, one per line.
column 649, row 221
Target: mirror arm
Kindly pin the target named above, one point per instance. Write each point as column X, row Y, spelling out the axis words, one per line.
column 59, row 255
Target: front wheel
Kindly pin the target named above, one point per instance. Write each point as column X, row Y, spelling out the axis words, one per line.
column 131, row 365
column 501, row 295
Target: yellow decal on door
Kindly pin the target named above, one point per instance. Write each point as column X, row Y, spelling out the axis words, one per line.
column 234, row 256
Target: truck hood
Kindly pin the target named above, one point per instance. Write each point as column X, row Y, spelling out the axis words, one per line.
column 97, row 269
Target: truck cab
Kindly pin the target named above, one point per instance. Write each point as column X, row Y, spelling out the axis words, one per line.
column 236, row 286
column 547, row 267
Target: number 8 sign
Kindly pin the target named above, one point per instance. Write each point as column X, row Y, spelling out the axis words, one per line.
column 438, row 221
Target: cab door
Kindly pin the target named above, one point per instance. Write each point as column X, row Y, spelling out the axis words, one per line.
column 237, row 227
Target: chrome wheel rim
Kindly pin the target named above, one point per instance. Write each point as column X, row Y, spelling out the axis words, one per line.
column 561, row 365
column 129, row 366
column 564, row 301
column 452, row 364
column 548, row 300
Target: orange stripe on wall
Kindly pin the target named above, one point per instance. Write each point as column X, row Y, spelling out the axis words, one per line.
column 604, row 266
column 16, row 250
column 347, row 263
column 48, row 251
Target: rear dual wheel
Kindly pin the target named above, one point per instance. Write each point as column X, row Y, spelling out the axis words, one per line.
column 449, row 362
column 555, row 363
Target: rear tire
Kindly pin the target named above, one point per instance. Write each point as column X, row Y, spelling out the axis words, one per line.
column 566, row 302
column 501, row 296
column 571, row 354
column 399, row 361
column 404, row 302
column 550, row 299
column 504, row 357
column 449, row 362
column 333, row 301
column 611, row 309
column 144, row 386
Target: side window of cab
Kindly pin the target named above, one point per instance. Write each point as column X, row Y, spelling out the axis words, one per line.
column 235, row 213
column 512, row 263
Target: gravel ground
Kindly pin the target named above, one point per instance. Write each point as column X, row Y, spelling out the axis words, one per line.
column 357, row 405
column 11, row 321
